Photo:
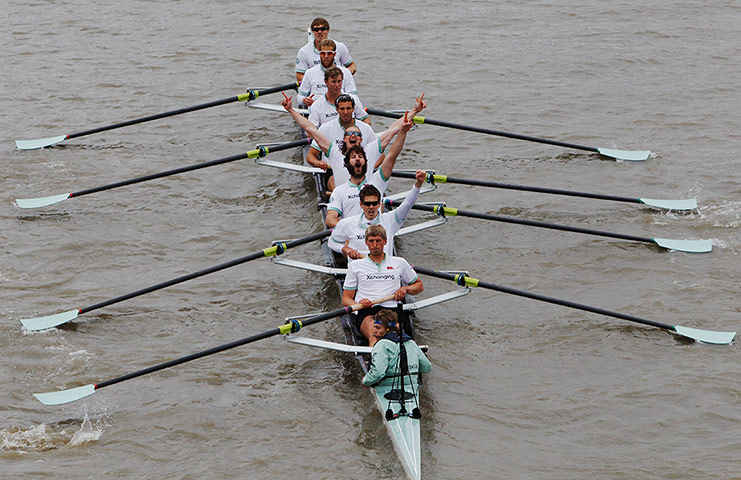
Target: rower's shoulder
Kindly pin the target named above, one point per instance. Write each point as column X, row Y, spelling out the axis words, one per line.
column 307, row 48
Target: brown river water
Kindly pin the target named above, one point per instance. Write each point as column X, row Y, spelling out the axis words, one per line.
column 519, row 389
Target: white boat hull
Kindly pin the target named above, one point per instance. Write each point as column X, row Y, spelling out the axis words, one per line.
column 404, row 432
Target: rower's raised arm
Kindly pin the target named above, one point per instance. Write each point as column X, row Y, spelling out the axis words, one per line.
column 395, row 127
column 388, row 163
column 322, row 141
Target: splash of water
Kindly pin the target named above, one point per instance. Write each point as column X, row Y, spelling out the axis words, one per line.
column 86, row 433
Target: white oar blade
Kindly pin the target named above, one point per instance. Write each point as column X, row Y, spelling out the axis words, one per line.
column 706, row 336
column 690, row 246
column 42, row 323
column 686, row 204
column 631, row 156
column 41, row 201
column 39, row 142
column 65, row 396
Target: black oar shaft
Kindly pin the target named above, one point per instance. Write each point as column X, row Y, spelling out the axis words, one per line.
column 524, row 188
column 237, row 343
column 472, row 282
column 251, row 154
column 488, row 131
column 439, row 209
column 275, row 250
column 250, row 95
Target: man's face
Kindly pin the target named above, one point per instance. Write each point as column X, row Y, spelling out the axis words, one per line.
column 345, row 109
column 320, row 33
column 371, row 206
column 378, row 331
column 334, row 87
column 326, row 55
column 375, row 245
column 357, row 165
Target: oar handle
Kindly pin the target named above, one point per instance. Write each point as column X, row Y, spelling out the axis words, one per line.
column 488, row 131
column 436, row 178
column 473, row 282
column 359, row 306
column 441, row 210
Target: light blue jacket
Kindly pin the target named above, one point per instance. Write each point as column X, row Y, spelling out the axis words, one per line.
column 385, row 364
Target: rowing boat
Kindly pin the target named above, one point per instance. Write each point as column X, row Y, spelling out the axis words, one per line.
column 398, row 404
column 403, row 429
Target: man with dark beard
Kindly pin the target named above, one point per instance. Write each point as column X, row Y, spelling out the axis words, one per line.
column 344, row 200
column 337, row 159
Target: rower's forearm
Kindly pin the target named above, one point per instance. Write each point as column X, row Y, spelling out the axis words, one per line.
column 336, row 244
column 416, row 288
column 313, row 158
column 406, row 206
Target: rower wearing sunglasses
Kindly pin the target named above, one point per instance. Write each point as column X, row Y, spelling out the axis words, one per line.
column 308, row 56
column 352, row 229
column 314, row 85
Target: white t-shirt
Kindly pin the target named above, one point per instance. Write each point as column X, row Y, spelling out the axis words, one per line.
column 308, row 56
column 336, row 160
column 373, row 280
column 353, row 228
column 313, row 83
column 344, row 199
column 335, row 132
column 321, row 111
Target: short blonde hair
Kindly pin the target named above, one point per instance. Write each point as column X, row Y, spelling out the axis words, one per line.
column 375, row 231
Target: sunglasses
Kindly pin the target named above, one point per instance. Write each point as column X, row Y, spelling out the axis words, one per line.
column 353, row 134
column 325, row 52
column 371, row 204
column 320, row 29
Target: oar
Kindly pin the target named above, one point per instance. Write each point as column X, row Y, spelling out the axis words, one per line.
column 688, row 204
column 250, row 95
column 293, row 326
column 608, row 152
column 691, row 246
column 707, row 336
column 42, row 323
column 260, row 151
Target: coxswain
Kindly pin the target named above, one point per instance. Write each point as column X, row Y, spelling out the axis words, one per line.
column 348, row 236
column 308, row 56
column 375, row 276
column 313, row 83
column 385, row 353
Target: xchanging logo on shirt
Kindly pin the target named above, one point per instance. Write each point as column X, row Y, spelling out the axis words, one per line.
column 380, row 276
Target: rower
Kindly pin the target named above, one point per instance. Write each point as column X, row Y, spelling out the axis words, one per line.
column 324, row 108
column 352, row 229
column 313, row 83
column 377, row 276
column 334, row 130
column 308, row 56
column 352, row 137
column 385, row 366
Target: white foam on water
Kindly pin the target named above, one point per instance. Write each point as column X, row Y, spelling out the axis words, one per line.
column 36, row 438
